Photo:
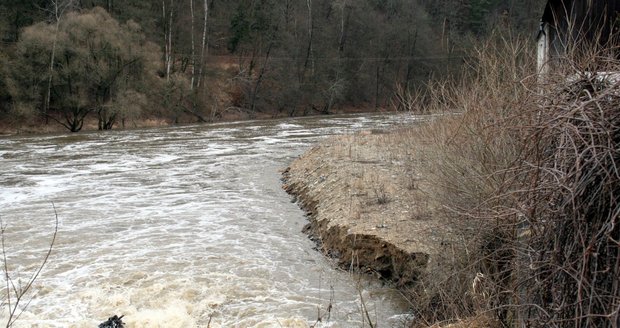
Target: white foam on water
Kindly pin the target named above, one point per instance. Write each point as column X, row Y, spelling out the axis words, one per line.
column 289, row 126
column 180, row 227
column 12, row 195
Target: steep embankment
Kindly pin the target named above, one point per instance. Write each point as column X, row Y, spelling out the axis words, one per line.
column 367, row 204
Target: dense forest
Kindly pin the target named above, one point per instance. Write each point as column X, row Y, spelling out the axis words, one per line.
column 106, row 63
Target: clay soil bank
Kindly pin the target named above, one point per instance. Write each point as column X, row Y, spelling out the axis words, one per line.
column 368, row 204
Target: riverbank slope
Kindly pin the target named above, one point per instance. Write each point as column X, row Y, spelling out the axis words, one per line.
column 370, row 206
column 367, row 204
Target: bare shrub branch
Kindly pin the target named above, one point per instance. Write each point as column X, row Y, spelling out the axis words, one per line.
column 16, row 295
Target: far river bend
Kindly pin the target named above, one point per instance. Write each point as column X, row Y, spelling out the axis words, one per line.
column 177, row 227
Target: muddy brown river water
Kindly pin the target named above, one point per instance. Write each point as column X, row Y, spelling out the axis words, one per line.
column 177, row 227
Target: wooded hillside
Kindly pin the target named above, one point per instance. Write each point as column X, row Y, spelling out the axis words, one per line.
column 121, row 62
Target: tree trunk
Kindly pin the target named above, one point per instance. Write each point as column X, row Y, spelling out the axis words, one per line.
column 193, row 54
column 74, row 119
column 169, row 67
column 48, row 96
column 167, row 16
column 164, row 15
column 204, row 41
column 106, row 122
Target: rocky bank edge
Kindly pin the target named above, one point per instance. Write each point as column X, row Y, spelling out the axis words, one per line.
column 368, row 205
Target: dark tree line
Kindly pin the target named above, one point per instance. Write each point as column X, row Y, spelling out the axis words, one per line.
column 197, row 60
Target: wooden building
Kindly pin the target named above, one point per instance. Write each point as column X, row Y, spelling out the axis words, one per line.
column 568, row 24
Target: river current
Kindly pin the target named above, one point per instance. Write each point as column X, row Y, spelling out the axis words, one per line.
column 177, row 227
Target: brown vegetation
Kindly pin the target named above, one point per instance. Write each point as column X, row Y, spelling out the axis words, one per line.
column 528, row 174
column 523, row 178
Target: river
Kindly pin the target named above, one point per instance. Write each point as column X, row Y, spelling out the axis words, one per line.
column 177, row 227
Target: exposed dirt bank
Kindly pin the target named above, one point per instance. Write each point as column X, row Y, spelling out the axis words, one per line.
column 368, row 205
